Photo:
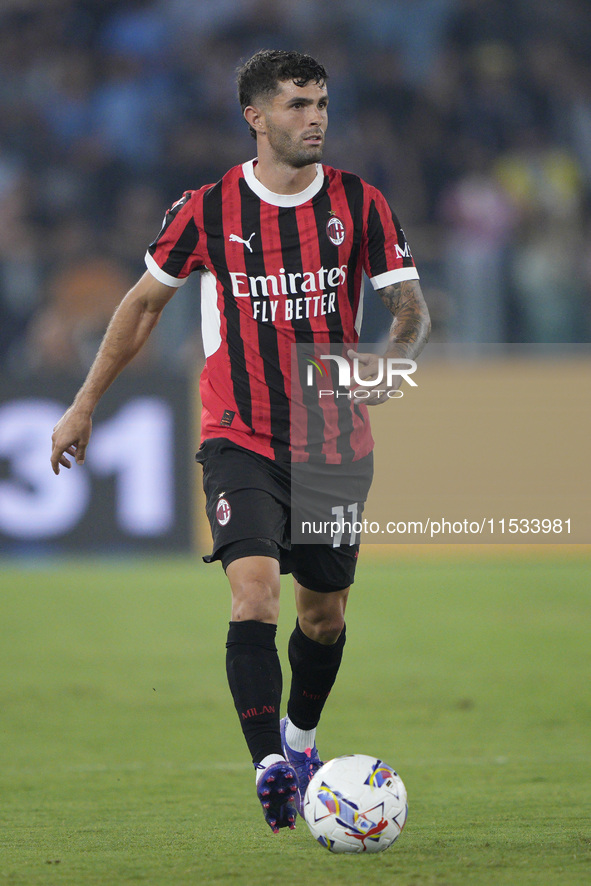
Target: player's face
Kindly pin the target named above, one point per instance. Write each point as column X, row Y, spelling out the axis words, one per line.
column 296, row 119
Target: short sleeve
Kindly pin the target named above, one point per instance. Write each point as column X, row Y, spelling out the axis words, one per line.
column 177, row 250
column 387, row 258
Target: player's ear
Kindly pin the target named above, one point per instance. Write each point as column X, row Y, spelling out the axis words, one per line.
column 255, row 119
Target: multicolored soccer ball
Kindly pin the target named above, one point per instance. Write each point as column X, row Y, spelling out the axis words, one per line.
column 356, row 804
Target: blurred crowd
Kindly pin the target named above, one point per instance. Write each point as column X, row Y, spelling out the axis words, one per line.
column 472, row 116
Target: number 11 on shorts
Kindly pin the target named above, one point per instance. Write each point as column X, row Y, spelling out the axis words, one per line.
column 339, row 524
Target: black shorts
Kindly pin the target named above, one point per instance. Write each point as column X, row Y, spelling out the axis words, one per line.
column 249, row 507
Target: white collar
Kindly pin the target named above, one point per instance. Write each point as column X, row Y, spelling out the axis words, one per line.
column 282, row 199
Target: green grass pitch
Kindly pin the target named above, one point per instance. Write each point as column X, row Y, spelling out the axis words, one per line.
column 122, row 762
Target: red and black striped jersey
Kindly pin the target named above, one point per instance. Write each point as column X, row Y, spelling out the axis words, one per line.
column 278, row 271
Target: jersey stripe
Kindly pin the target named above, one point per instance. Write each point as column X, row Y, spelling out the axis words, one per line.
column 306, row 427
column 376, row 253
column 321, row 421
column 186, row 243
column 218, row 229
column 270, row 402
column 338, row 411
column 353, row 188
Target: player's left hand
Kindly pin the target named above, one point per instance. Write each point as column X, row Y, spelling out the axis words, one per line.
column 368, row 367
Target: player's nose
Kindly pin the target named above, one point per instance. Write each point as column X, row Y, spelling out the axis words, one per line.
column 316, row 117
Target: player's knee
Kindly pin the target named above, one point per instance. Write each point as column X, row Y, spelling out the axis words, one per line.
column 254, row 599
column 323, row 627
column 255, row 589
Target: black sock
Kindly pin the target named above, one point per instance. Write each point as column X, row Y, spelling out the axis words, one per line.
column 254, row 675
column 314, row 669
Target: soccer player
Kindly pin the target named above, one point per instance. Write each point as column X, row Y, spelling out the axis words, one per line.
column 281, row 243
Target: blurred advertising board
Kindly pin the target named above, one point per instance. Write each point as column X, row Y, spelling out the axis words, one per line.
column 489, row 448
column 134, row 492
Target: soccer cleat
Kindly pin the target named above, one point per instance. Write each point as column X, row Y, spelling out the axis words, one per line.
column 276, row 789
column 306, row 764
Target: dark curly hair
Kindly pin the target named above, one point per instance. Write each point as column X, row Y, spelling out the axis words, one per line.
column 261, row 74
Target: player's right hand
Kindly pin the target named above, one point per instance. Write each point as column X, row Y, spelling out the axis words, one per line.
column 70, row 435
column 368, row 368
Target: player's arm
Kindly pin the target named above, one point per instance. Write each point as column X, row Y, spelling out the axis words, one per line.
column 128, row 330
column 409, row 332
column 411, row 324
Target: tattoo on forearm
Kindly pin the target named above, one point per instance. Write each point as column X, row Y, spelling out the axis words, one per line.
column 411, row 325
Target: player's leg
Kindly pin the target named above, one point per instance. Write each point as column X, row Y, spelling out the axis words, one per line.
column 254, row 677
column 248, row 527
column 315, row 652
column 252, row 662
column 322, row 578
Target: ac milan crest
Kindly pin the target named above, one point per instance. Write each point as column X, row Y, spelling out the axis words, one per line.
column 335, row 230
column 223, row 512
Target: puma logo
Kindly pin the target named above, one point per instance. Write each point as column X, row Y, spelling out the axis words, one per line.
column 234, row 238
